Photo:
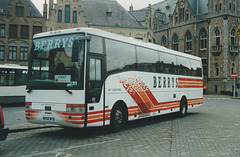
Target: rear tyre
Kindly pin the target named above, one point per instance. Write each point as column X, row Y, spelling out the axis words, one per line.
column 118, row 118
column 183, row 108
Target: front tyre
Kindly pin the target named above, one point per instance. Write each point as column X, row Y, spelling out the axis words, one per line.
column 118, row 118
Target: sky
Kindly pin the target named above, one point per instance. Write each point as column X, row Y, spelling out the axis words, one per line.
column 137, row 4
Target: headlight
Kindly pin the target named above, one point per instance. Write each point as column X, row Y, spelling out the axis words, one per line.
column 75, row 108
column 28, row 105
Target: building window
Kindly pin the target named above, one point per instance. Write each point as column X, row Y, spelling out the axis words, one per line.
column 2, row 31
column 12, row 55
column 233, row 68
column 67, row 13
column 203, row 39
column 109, row 12
column 204, row 64
column 216, row 69
column 19, row 10
column 187, row 15
column 233, row 37
column 175, row 42
column 164, row 41
column 181, row 11
column 59, row 15
column 74, row 16
column 217, row 37
column 23, row 53
column 176, row 18
column 188, row 42
column 24, row 32
column 2, row 49
column 37, row 29
column 13, row 31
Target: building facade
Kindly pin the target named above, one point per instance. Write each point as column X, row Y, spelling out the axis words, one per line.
column 19, row 21
column 63, row 14
column 205, row 28
column 106, row 15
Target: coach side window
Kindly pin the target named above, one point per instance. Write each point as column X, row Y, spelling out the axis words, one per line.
column 167, row 63
column 21, row 77
column 7, row 77
column 147, row 60
column 120, row 56
column 196, row 68
column 183, row 66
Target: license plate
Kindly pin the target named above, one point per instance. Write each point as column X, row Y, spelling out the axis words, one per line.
column 49, row 119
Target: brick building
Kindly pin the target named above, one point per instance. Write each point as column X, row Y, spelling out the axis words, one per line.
column 19, row 21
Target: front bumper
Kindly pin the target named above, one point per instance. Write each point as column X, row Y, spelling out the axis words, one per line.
column 3, row 133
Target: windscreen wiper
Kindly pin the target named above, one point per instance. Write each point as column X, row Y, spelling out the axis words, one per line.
column 29, row 91
column 70, row 92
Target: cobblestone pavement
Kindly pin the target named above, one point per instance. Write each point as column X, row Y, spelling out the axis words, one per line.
column 212, row 130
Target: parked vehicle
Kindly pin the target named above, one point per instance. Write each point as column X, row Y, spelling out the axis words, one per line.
column 3, row 131
column 12, row 84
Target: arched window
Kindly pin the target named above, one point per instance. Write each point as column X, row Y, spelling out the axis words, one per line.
column 175, row 42
column 216, row 69
column 188, row 42
column 233, row 37
column 181, row 11
column 164, row 41
column 203, row 38
column 217, row 37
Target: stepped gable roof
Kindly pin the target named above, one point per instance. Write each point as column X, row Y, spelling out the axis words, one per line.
column 4, row 8
column 108, row 13
column 166, row 7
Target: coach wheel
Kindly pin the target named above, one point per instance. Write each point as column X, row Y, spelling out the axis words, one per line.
column 183, row 108
column 118, row 119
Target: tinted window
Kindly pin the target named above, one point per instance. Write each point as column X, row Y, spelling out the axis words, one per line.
column 21, row 77
column 96, row 45
column 120, row 56
column 167, row 63
column 196, row 68
column 183, row 66
column 147, row 60
column 10, row 77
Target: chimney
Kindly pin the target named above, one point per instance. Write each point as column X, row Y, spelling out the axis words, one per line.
column 131, row 8
column 50, row 6
column 45, row 9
